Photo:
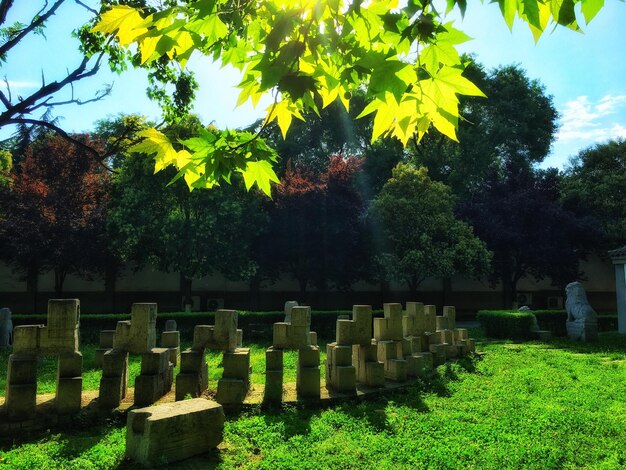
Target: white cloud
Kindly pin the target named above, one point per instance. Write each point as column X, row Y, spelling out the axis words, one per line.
column 587, row 122
column 17, row 85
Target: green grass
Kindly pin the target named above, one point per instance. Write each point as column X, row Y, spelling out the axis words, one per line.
column 531, row 405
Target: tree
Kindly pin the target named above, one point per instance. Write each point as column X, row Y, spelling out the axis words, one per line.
column 316, row 226
column 55, row 211
column 519, row 216
column 515, row 126
column 192, row 233
column 308, row 55
column 595, row 186
column 421, row 236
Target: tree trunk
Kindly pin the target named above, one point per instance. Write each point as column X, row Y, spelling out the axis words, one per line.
column 185, row 290
column 59, row 280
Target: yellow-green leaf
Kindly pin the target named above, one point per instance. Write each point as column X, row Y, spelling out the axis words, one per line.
column 124, row 20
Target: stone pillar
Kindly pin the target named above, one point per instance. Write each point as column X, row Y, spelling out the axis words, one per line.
column 273, row 376
column 69, row 383
column 157, row 375
column 369, row 371
column 619, row 261
column 171, row 341
column 193, row 378
column 113, row 384
column 21, row 389
column 106, row 344
column 138, row 335
column 233, row 387
column 308, row 372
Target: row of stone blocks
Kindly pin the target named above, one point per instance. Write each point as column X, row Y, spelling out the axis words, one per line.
column 59, row 337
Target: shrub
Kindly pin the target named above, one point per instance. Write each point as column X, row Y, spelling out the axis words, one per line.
column 552, row 320
column 506, row 324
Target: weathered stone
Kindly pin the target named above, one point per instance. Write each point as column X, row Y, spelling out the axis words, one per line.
column 26, row 339
column 427, row 359
column 449, row 312
column 273, row 386
column 308, row 383
column 22, row 369
column 112, row 392
column 172, row 432
column 21, row 400
column 441, row 323
column 389, row 327
column 460, row 333
column 139, row 334
column 274, row 359
column 414, row 365
column 430, row 313
column 231, row 391
column 289, row 305
column 301, row 316
column 439, row 352
column 191, row 360
column 170, row 325
column 106, row 339
column 6, row 328
column 375, row 374
column 60, row 335
column 309, row 357
column 192, row 383
column 582, row 320
column 343, row 379
column 225, row 333
column 313, row 338
column 170, row 339
column 68, row 394
column 239, row 337
column 115, row 363
column 396, row 369
column 237, row 365
column 156, row 361
column 70, row 365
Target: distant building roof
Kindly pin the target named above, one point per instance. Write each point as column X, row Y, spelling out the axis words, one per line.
column 618, row 253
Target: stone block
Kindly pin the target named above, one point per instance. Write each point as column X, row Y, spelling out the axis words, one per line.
column 361, row 356
column 156, row 361
column 393, row 315
column 174, row 354
column 192, row 383
column 106, row 339
column 60, row 335
column 287, row 336
column 441, row 323
column 301, row 316
column 26, row 339
column 414, row 309
column 225, row 332
column 289, row 305
column 171, row 432
column 237, row 365
column 148, row 389
column 387, row 350
column 344, row 379
column 341, row 355
column 362, row 317
column 70, row 365
column 308, row 383
column 435, row 338
column 414, row 365
column 449, row 312
column 411, row 345
column 68, row 394
column 112, row 391
column 396, row 369
column 460, row 333
column 114, row 363
column 582, row 331
column 239, row 337
column 427, row 359
column 21, row 400
column 170, row 325
column 170, row 339
column 231, row 391
column 139, row 334
column 345, row 332
column 447, row 336
column 273, row 386
column 430, row 324
column 274, row 359
column 313, row 338
column 309, row 356
column 452, row 351
column 202, row 336
column 375, row 374
column 22, row 369
column 191, row 360
column 439, row 352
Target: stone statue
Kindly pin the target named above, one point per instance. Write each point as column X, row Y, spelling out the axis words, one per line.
column 6, row 328
column 582, row 321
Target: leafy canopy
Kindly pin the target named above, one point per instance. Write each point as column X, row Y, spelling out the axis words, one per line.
column 308, row 54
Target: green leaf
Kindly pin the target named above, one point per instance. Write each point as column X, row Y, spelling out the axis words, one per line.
column 261, row 173
column 124, row 20
column 590, row 8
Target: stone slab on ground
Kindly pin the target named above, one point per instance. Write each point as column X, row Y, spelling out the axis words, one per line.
column 172, row 432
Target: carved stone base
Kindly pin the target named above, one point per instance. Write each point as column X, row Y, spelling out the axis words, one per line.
column 581, row 331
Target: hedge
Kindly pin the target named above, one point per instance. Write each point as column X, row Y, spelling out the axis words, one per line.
column 506, row 324
column 255, row 325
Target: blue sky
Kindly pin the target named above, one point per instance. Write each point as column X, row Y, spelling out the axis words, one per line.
column 585, row 74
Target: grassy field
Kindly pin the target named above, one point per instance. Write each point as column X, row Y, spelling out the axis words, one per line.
column 532, row 405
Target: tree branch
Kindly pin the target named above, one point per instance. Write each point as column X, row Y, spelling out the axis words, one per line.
column 5, row 5
column 86, row 7
column 98, row 157
column 36, row 22
column 27, row 105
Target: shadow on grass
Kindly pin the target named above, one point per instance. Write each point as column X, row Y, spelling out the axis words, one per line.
column 610, row 342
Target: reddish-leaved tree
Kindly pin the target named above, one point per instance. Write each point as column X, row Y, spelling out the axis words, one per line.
column 55, row 211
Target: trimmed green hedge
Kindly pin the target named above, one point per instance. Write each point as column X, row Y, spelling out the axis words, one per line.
column 552, row 320
column 506, row 324
column 255, row 325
